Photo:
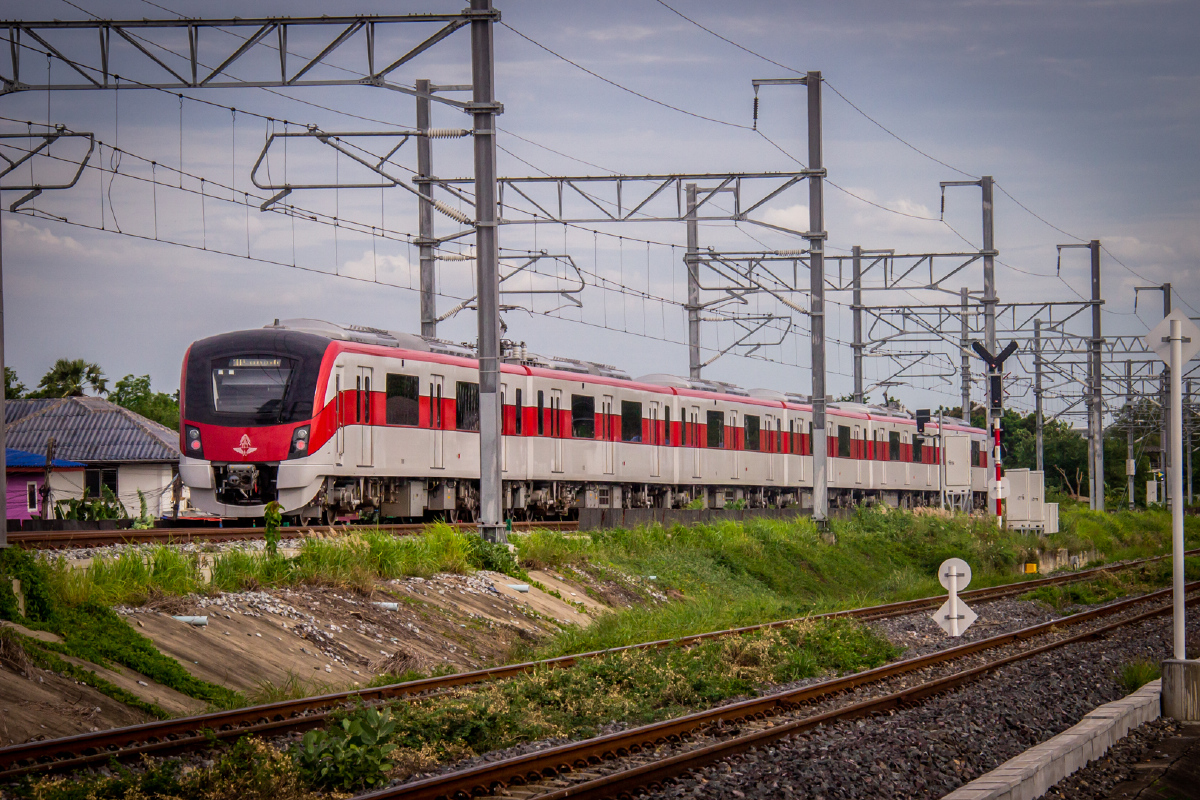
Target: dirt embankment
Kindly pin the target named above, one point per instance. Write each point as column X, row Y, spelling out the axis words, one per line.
column 266, row 643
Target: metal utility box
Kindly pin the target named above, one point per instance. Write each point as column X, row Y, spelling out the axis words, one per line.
column 958, row 462
column 1051, row 518
column 1026, row 499
column 408, row 501
column 443, row 496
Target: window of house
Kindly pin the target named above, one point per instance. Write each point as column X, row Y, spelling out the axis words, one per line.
column 95, row 479
column 583, row 416
column 843, row 441
column 716, row 428
column 466, row 406
column 752, row 426
column 403, row 399
column 631, row 421
column 918, row 443
column 894, row 446
column 520, row 413
column 31, row 496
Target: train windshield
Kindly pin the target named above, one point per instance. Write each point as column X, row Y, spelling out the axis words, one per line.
column 251, row 385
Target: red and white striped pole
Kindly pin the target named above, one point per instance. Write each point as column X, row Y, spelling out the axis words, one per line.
column 996, row 453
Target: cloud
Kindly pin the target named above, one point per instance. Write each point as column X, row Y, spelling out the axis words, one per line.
column 793, row 216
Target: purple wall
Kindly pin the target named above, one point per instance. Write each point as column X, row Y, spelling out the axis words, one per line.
column 17, row 493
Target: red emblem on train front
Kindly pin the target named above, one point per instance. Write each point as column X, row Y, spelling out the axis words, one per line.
column 244, row 446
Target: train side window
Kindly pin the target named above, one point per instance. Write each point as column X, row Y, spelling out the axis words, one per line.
column 541, row 413
column 403, row 399
column 466, row 406
column 520, row 413
column 752, row 426
column 667, row 425
column 894, row 446
column 843, row 441
column 716, row 429
column 631, row 421
column 918, row 443
column 792, row 439
column 583, row 416
column 974, row 454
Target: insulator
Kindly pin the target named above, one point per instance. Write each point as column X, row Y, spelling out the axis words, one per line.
column 791, row 252
column 755, row 112
column 452, row 212
column 447, row 133
column 456, row 257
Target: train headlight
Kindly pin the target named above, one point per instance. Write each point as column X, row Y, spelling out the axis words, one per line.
column 299, row 446
column 193, row 447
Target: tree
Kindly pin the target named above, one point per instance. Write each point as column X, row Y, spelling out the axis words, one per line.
column 13, row 388
column 134, row 393
column 68, row 378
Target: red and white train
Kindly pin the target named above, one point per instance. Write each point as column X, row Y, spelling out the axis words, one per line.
column 335, row 421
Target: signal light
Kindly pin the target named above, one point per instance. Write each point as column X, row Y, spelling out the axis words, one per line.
column 194, row 448
column 299, row 442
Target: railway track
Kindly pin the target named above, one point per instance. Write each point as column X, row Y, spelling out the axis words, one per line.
column 61, row 540
column 624, row 764
column 184, row 733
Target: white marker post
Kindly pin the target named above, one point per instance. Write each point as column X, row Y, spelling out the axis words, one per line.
column 955, row 616
column 1176, row 340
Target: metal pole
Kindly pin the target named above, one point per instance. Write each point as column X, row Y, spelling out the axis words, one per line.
column 1130, row 466
column 693, row 286
column 1164, row 436
column 1097, row 423
column 1187, row 426
column 856, row 254
column 425, row 214
column 1039, row 437
column 3, row 397
column 487, row 256
column 1176, row 481
column 816, row 274
column 989, row 290
column 964, row 345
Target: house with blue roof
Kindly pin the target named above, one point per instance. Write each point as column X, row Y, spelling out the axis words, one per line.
column 117, row 449
column 27, row 478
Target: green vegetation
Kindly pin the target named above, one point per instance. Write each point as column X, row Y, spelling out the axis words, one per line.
column 1110, row 586
column 744, row 573
column 93, row 632
column 352, row 754
column 70, row 377
column 249, row 770
column 134, row 392
column 1137, row 674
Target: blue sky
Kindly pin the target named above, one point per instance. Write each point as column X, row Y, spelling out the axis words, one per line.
column 1085, row 112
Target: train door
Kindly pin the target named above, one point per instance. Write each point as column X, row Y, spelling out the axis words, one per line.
column 694, row 441
column 436, row 384
column 606, row 410
column 767, row 443
column 556, row 433
column 734, row 445
column 366, row 456
column 339, row 411
column 858, row 442
column 503, row 437
column 654, row 439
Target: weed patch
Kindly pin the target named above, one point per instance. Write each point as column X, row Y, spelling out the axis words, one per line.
column 1137, row 674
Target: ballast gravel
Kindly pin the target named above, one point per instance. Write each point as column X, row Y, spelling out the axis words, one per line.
column 946, row 741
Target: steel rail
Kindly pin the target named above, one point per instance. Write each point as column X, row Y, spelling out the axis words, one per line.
column 486, row 779
column 54, row 540
column 185, row 732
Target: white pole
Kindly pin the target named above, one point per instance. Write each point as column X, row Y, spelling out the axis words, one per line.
column 953, row 575
column 1176, row 479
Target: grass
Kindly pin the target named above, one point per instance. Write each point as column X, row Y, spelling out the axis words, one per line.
column 1137, row 674
column 735, row 574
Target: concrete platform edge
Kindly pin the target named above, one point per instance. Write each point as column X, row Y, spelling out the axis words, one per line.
column 1032, row 773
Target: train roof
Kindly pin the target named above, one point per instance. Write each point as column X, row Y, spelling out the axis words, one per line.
column 518, row 356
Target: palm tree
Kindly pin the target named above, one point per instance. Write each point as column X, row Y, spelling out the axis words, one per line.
column 67, row 378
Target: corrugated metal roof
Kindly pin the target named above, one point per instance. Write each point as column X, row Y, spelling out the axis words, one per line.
column 88, row 429
column 19, row 459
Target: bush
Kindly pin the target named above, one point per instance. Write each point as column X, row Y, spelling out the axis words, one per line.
column 352, row 754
